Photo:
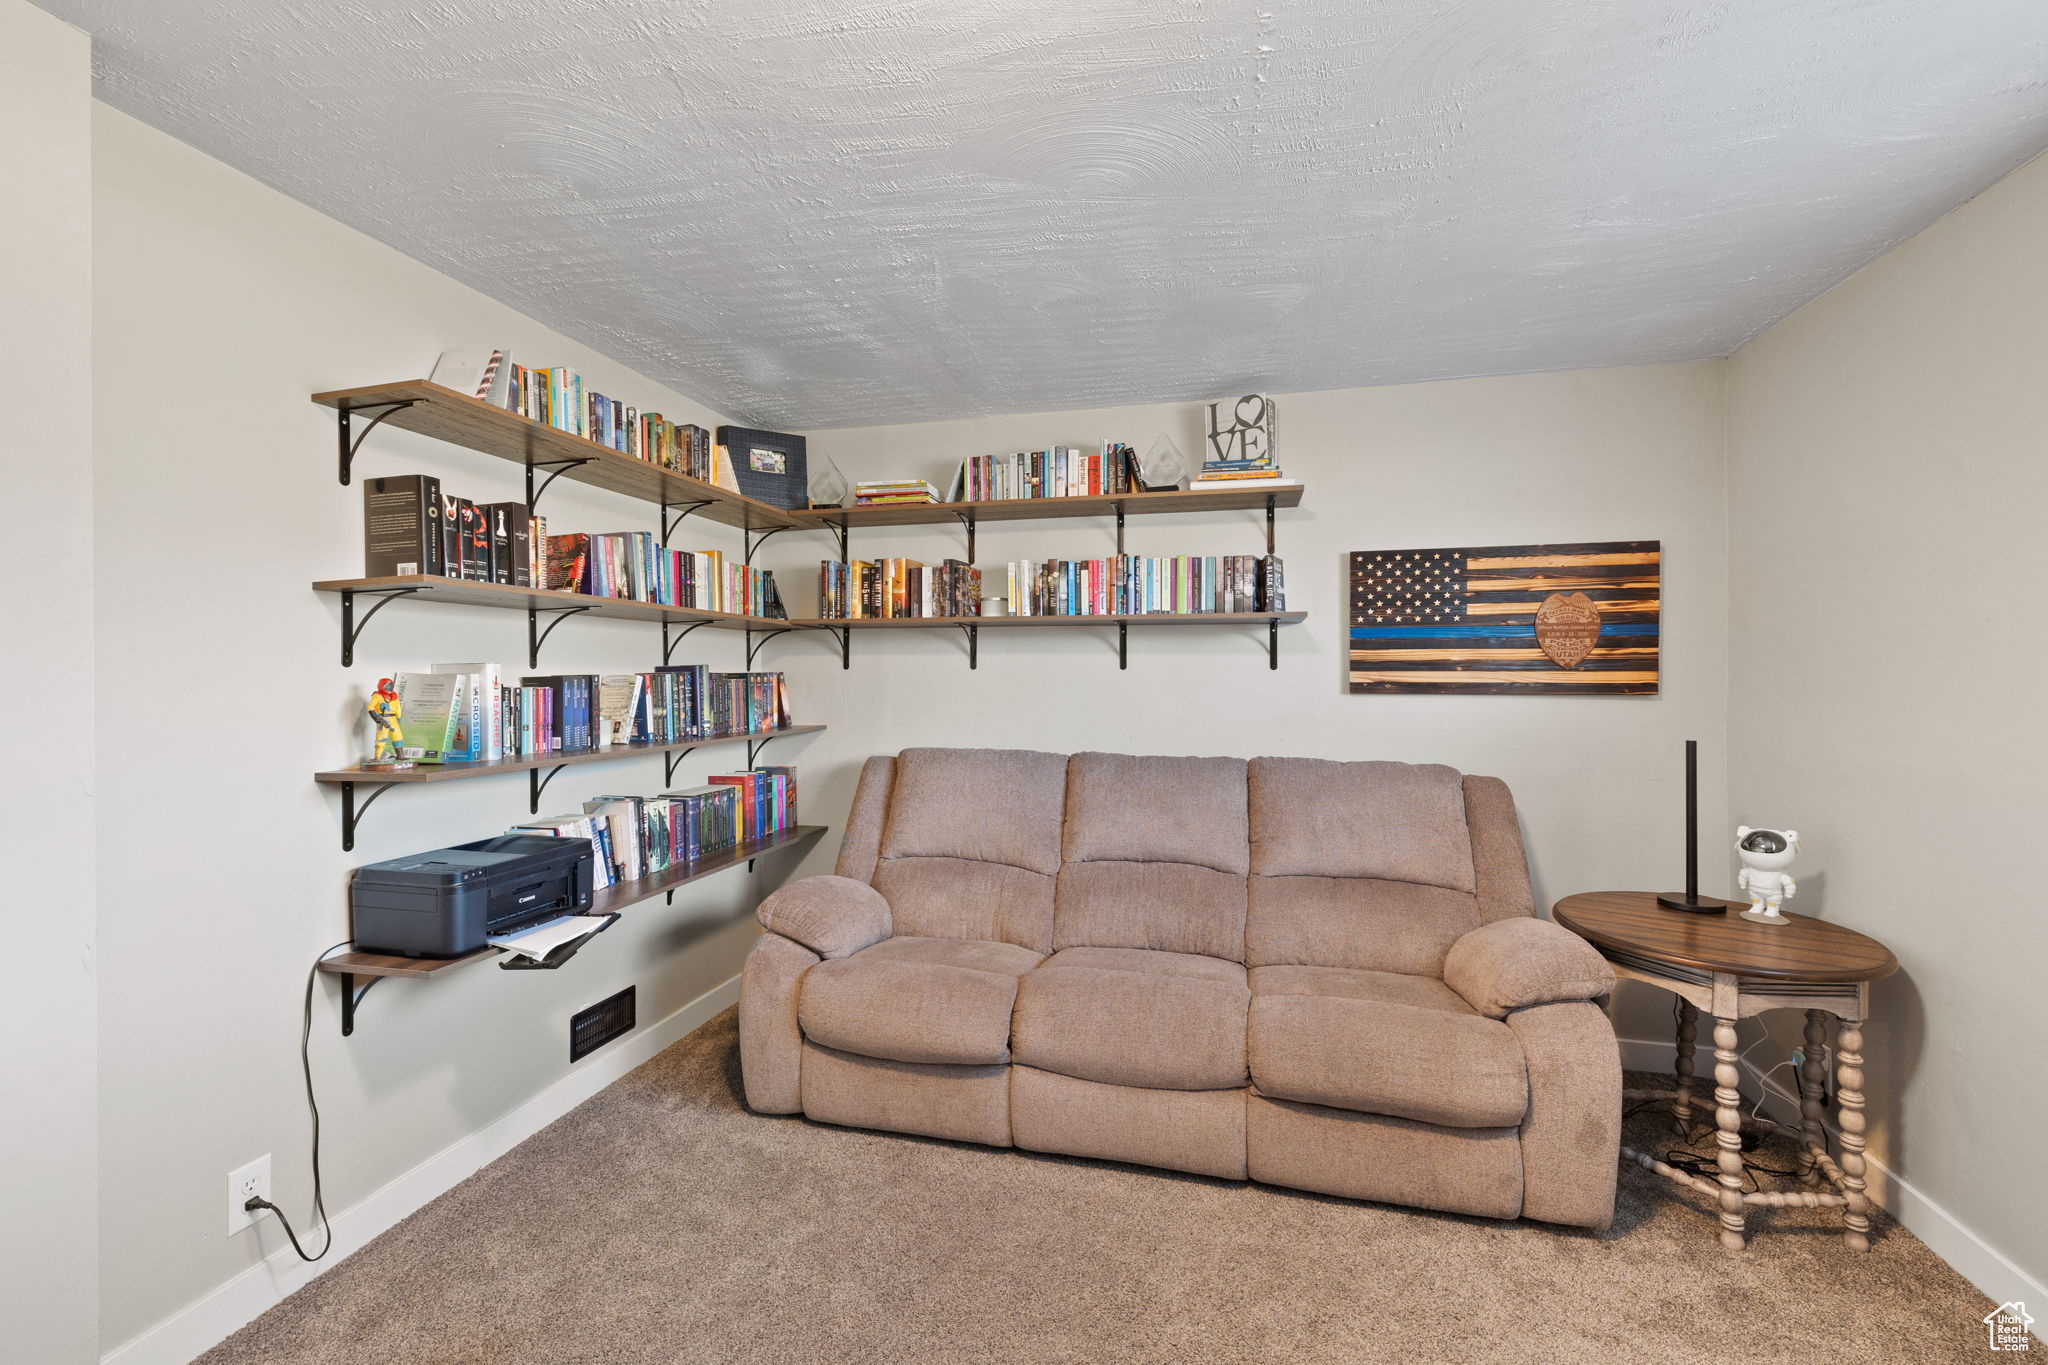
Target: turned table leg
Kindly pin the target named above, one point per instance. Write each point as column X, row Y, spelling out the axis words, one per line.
column 1812, row 1079
column 1728, row 1125
column 1681, row 1066
column 1849, row 1090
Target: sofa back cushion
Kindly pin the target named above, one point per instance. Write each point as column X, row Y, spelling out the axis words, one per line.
column 1362, row 865
column 1156, row 854
column 970, row 845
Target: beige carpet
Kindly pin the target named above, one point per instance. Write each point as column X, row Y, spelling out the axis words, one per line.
column 661, row 1222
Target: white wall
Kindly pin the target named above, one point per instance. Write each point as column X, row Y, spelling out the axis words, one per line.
column 1887, row 485
column 1598, row 455
column 220, row 305
column 48, row 1266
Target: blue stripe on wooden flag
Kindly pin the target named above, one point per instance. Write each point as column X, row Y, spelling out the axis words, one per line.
column 1486, row 632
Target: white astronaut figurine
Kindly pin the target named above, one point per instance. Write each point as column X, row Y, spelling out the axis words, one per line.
column 1765, row 854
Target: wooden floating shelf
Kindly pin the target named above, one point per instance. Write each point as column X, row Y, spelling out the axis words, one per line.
column 1209, row 618
column 456, row 592
column 449, row 772
column 604, row 902
column 1047, row 509
column 446, row 415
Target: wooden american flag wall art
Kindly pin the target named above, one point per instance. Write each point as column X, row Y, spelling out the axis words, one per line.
column 1542, row 620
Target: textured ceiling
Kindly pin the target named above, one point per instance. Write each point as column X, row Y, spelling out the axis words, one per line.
column 823, row 212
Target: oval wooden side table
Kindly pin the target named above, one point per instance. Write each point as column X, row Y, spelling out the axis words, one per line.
column 1734, row 968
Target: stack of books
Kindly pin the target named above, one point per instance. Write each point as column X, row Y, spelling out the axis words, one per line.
column 634, row 565
column 880, row 492
column 1136, row 585
column 634, row 837
column 1239, row 474
column 1061, row 472
column 868, row 589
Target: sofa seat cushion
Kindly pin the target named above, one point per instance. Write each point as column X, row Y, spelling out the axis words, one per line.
column 924, row 1000
column 1134, row 1016
column 1382, row 1043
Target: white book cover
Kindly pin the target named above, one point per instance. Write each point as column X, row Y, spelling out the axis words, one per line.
column 490, row 685
column 469, row 371
column 618, row 695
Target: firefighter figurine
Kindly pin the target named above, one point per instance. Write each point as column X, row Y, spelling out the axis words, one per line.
column 385, row 712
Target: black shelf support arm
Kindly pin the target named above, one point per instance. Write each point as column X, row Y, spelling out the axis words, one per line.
column 670, row 523
column 559, row 468
column 973, row 634
column 668, row 645
column 536, row 784
column 349, row 445
column 352, row 997
column 1273, row 644
column 352, row 814
column 1120, row 530
column 673, row 759
column 1123, row 644
column 754, row 646
column 352, row 629
column 755, row 542
column 536, row 637
column 965, row 519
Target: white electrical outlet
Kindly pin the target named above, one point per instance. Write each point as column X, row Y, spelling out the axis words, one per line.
column 252, row 1180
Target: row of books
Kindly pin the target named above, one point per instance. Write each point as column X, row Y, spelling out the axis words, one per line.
column 1061, row 472
column 881, row 492
column 634, row 565
column 897, row 588
column 465, row 712
column 1139, row 585
column 634, row 837
column 412, row 526
column 557, row 398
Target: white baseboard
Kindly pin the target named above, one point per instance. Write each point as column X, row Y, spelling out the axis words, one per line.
column 194, row 1330
column 1969, row 1255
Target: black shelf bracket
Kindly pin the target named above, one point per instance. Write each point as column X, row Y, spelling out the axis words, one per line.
column 973, row 634
column 754, row 646
column 536, row 784
column 352, row 629
column 1123, row 644
column 1269, row 527
column 559, row 468
column 755, row 542
column 352, row 814
column 845, row 648
column 965, row 519
column 352, row 997
column 1119, row 530
column 670, row 523
column 1273, row 644
column 669, row 644
column 672, row 760
column 536, row 637
column 349, row 445
column 839, row 534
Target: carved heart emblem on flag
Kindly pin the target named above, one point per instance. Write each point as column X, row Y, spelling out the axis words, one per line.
column 1567, row 628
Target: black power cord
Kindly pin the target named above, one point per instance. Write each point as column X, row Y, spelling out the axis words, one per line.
column 313, row 1108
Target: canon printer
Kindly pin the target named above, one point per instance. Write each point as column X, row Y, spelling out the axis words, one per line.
column 447, row 902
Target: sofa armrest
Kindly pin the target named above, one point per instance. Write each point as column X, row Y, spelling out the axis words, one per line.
column 832, row 916
column 1512, row 964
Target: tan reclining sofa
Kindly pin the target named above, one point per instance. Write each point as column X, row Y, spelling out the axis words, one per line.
column 1316, row 974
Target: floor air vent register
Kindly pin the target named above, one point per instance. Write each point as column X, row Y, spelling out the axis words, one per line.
column 591, row 1028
